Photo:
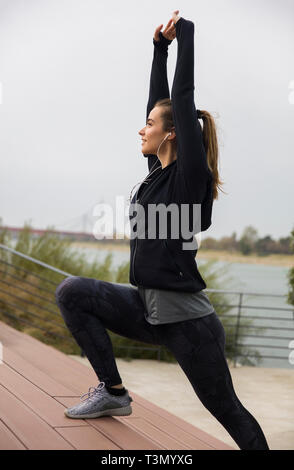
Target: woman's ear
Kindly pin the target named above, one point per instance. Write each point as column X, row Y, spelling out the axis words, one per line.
column 173, row 137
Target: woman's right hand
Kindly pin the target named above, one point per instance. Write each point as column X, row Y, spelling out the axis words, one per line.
column 169, row 32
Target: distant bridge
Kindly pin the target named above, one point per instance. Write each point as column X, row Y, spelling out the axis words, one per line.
column 84, row 236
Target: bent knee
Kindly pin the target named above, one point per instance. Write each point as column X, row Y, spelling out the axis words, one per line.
column 67, row 288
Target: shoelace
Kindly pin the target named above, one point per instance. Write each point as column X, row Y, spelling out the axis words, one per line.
column 92, row 391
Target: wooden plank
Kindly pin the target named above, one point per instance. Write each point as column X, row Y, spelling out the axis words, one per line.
column 164, row 425
column 179, row 422
column 42, row 404
column 12, row 337
column 67, row 402
column 28, row 427
column 8, row 441
column 54, row 363
column 35, row 375
column 123, row 435
column 163, row 439
column 87, row 438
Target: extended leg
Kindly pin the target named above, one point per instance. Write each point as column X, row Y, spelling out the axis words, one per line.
column 198, row 346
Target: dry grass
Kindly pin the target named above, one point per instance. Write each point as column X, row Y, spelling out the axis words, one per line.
column 217, row 255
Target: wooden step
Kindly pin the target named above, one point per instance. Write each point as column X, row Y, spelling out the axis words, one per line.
column 37, row 382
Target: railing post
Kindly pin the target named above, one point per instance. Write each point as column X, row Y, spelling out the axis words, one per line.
column 237, row 326
column 158, row 353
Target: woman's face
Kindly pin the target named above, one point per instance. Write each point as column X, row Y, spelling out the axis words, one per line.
column 152, row 134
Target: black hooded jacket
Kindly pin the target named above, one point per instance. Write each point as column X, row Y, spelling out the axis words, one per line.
column 161, row 262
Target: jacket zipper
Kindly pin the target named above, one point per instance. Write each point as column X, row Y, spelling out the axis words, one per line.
column 133, row 264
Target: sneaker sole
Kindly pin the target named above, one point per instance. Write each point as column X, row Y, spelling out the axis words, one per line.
column 124, row 411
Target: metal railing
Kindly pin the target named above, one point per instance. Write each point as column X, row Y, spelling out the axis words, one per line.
column 26, row 296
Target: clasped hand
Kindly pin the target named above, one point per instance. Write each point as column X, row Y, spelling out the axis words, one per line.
column 169, row 31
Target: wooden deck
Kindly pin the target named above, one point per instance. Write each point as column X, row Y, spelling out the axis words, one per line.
column 37, row 382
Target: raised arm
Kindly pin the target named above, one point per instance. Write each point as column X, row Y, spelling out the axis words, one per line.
column 158, row 87
column 191, row 155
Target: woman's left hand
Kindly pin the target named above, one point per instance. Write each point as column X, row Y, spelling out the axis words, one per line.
column 169, row 31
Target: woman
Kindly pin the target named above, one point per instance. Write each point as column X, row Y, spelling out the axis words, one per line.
column 165, row 304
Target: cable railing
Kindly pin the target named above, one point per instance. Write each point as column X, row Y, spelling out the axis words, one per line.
column 28, row 297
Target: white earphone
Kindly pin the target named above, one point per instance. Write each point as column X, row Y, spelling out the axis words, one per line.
column 151, row 171
column 162, row 143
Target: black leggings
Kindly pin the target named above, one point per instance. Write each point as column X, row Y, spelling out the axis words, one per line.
column 90, row 306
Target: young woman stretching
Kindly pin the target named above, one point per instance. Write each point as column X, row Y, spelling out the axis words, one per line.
column 165, row 304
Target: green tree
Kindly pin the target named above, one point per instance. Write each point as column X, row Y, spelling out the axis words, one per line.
column 265, row 245
column 248, row 240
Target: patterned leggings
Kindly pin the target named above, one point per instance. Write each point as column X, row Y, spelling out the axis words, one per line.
column 90, row 306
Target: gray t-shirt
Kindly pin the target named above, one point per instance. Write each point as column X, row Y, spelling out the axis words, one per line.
column 167, row 306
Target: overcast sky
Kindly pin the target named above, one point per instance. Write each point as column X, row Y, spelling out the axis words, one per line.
column 75, row 80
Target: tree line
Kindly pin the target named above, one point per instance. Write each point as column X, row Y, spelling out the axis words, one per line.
column 249, row 242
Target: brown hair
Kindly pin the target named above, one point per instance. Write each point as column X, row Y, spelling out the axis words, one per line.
column 209, row 139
